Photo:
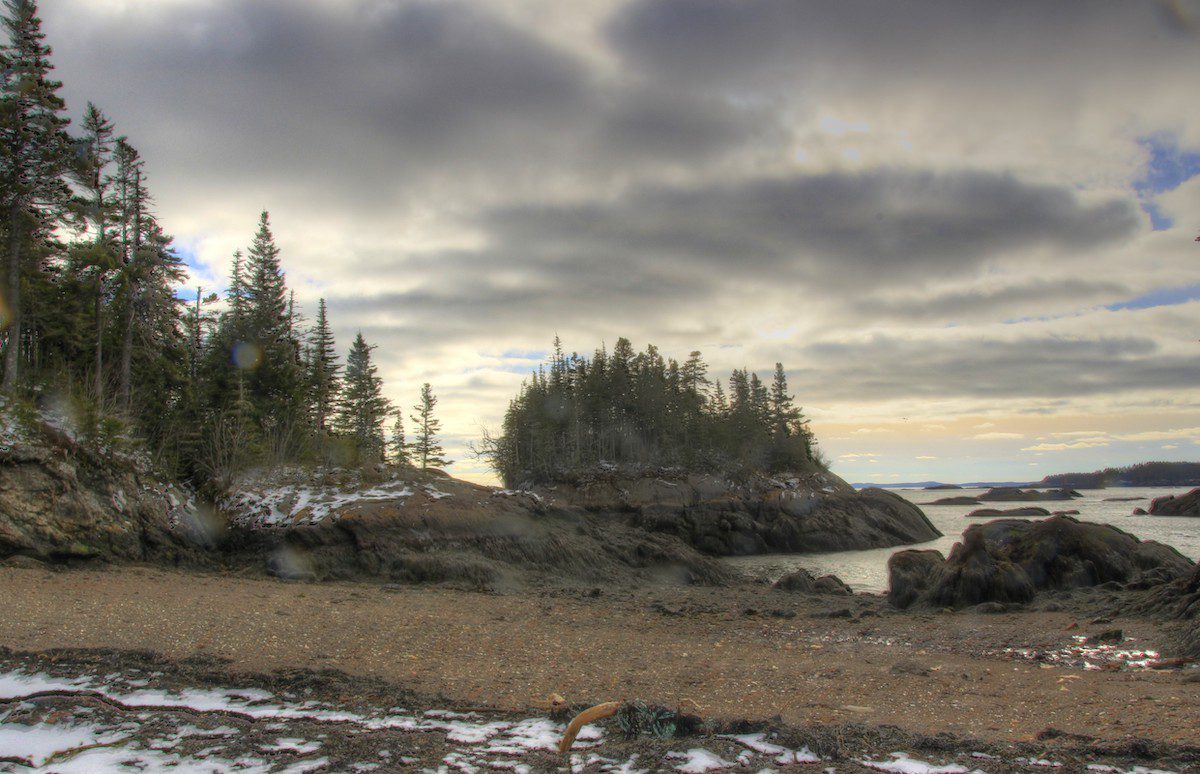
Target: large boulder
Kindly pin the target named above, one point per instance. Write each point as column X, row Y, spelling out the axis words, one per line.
column 911, row 573
column 1177, row 505
column 802, row 581
column 1010, row 560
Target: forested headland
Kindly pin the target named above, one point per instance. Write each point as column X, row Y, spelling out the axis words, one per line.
column 641, row 410
column 96, row 325
column 1142, row 474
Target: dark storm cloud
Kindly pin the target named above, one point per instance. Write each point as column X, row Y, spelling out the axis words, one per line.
column 344, row 99
column 782, row 44
column 837, row 229
column 1030, row 299
column 1042, row 367
column 363, row 104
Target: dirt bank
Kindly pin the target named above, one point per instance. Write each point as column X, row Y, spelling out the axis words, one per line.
column 745, row 652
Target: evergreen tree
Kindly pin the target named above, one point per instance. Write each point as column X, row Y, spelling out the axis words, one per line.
column 647, row 411
column 363, row 407
column 323, row 368
column 34, row 157
column 425, row 449
column 95, row 262
column 397, row 443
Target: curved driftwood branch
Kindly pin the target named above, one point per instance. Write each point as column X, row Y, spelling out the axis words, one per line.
column 589, row 715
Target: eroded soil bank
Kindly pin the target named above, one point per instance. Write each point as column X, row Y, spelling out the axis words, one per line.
column 726, row 654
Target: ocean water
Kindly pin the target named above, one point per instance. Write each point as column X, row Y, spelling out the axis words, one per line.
column 867, row 570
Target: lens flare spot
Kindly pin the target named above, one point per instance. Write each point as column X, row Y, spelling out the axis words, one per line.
column 247, row 356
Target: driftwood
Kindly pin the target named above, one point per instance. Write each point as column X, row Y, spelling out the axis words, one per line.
column 599, row 712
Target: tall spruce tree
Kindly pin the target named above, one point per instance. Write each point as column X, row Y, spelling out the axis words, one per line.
column 363, row 407
column 397, row 443
column 323, row 371
column 425, row 448
column 35, row 153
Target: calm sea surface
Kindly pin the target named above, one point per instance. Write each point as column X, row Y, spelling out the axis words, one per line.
column 867, row 570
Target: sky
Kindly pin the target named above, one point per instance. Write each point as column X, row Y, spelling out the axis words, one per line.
column 966, row 228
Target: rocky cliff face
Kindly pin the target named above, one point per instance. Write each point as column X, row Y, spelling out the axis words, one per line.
column 814, row 513
column 61, row 502
column 417, row 526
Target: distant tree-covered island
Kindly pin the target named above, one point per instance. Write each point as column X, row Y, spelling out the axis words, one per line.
column 1141, row 474
column 643, row 410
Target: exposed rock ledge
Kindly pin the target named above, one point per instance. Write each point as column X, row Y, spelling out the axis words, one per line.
column 814, row 512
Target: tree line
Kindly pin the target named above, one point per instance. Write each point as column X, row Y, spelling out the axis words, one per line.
column 90, row 308
column 643, row 410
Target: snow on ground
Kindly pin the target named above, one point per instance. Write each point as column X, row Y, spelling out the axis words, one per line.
column 1082, row 655
column 294, row 503
column 135, row 723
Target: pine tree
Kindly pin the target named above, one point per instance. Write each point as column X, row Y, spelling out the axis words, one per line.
column 397, row 443
column 425, row 448
column 95, row 262
column 34, row 156
column 363, row 407
column 324, row 380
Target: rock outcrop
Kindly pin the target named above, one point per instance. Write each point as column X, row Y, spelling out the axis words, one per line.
column 1008, row 513
column 425, row 527
column 1012, row 494
column 814, row 513
column 960, row 500
column 803, row 582
column 1011, row 560
column 61, row 501
column 1177, row 505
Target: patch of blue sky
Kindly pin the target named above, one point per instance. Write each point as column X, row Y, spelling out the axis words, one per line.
column 1167, row 167
column 1160, row 297
column 532, row 354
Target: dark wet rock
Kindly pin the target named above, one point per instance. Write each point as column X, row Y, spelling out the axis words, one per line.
column 1139, row 512
column 472, row 539
column 910, row 667
column 1016, row 494
column 1064, row 513
column 815, row 513
column 1106, row 637
column 911, row 573
column 1177, row 505
column 1008, row 513
column 961, row 500
column 24, row 563
column 802, row 581
column 1178, row 600
column 1122, row 499
column 1011, row 560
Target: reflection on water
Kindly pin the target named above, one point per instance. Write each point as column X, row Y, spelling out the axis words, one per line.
column 867, row 570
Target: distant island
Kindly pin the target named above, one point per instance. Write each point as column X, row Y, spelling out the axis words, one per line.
column 1141, row 474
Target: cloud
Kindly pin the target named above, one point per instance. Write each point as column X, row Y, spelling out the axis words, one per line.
column 997, row 436
column 926, row 457
column 1087, row 443
column 818, row 184
column 856, row 456
column 1161, row 435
